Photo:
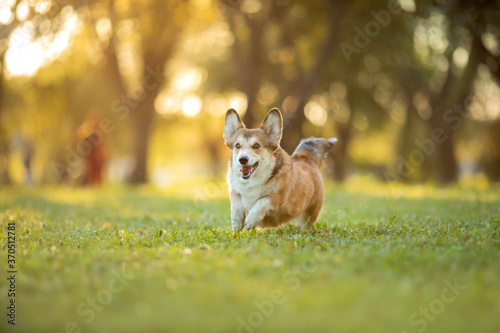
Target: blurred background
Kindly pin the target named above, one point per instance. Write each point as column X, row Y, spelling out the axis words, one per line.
column 95, row 92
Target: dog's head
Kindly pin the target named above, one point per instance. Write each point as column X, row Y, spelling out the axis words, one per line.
column 252, row 147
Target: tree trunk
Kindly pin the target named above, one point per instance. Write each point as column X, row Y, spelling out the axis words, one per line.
column 295, row 122
column 157, row 52
column 248, row 60
column 339, row 154
column 448, row 166
column 455, row 92
column 411, row 83
column 250, row 73
column 141, row 140
column 344, row 132
column 4, row 142
column 143, row 118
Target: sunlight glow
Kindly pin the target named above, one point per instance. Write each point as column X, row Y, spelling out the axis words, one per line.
column 217, row 104
column 61, row 42
column 338, row 90
column 23, row 56
column 251, row 6
column 43, row 7
column 491, row 43
column 460, row 57
column 23, row 11
column 486, row 102
column 268, row 93
column 316, row 113
column 188, row 80
column 167, row 104
column 181, row 96
column 191, row 106
column 238, row 101
column 103, row 28
column 408, row 5
column 6, row 16
column 421, row 103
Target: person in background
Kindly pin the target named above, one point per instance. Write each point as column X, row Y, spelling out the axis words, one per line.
column 28, row 152
column 22, row 144
column 91, row 136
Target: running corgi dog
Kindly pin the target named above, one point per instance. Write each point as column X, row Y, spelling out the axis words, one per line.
column 267, row 186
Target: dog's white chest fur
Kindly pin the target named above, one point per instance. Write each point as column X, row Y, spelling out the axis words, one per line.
column 254, row 188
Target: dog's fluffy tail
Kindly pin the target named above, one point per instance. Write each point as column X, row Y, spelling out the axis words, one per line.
column 314, row 148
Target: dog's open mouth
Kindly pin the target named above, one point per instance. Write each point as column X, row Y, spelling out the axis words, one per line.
column 247, row 171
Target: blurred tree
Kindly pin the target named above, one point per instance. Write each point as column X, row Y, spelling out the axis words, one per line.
column 22, row 22
column 490, row 159
column 249, row 22
column 465, row 22
column 5, row 31
column 156, row 25
column 362, row 69
column 306, row 83
column 269, row 39
column 423, row 74
column 157, row 30
column 4, row 145
column 365, row 85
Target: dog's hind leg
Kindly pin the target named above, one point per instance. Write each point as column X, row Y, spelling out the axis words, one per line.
column 301, row 220
column 312, row 214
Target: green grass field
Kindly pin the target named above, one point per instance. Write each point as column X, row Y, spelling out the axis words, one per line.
column 382, row 258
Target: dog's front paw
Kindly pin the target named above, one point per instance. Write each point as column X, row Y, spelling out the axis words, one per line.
column 249, row 227
column 237, row 227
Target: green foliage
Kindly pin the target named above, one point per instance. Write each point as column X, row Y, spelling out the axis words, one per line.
column 378, row 254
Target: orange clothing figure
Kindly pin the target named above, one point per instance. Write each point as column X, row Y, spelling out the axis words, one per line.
column 91, row 139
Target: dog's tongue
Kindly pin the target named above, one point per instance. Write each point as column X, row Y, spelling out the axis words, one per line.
column 246, row 170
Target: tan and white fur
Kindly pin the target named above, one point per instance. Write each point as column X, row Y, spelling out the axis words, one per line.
column 267, row 186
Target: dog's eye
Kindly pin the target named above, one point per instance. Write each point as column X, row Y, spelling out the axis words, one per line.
column 256, row 146
column 237, row 146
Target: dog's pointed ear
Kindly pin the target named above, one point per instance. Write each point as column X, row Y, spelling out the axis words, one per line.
column 332, row 141
column 232, row 123
column 273, row 126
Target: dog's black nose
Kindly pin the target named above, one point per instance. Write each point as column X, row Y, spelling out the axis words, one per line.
column 243, row 160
